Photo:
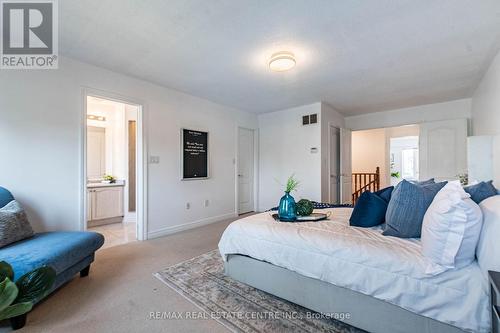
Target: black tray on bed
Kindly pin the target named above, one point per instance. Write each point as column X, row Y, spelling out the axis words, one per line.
column 314, row 217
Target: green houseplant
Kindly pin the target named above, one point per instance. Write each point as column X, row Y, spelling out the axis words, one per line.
column 17, row 299
column 287, row 209
column 395, row 174
column 109, row 178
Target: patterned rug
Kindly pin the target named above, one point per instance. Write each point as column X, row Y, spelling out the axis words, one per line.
column 240, row 307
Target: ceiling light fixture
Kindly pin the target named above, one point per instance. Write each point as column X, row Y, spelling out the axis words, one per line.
column 282, row 61
column 93, row 117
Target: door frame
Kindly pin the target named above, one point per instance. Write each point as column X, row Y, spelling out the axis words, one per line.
column 255, row 169
column 141, row 158
column 332, row 126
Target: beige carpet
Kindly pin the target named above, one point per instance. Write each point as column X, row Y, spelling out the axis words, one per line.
column 121, row 291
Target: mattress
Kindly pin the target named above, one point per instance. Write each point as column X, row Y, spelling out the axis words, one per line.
column 362, row 259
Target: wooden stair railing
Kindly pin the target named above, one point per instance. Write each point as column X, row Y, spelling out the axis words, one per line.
column 365, row 181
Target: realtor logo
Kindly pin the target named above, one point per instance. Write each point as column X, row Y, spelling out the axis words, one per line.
column 29, row 34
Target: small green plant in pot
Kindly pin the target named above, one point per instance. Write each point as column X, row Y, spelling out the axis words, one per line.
column 109, row 178
column 287, row 209
column 304, row 207
column 17, row 299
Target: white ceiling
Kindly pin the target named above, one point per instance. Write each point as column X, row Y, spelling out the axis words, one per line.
column 359, row 56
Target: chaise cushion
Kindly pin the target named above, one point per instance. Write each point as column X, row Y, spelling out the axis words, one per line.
column 60, row 250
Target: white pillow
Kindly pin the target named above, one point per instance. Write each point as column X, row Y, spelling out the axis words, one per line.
column 451, row 229
column 488, row 248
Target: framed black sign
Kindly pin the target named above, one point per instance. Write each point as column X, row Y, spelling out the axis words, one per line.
column 194, row 159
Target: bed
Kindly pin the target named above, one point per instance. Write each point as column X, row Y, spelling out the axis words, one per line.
column 331, row 267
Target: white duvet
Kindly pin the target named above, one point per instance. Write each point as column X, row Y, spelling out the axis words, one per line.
column 362, row 259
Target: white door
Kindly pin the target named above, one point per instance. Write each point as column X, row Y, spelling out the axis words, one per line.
column 443, row 149
column 96, row 152
column 345, row 165
column 334, row 145
column 245, row 170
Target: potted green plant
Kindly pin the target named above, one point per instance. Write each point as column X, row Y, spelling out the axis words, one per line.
column 287, row 209
column 463, row 178
column 17, row 299
column 109, row 179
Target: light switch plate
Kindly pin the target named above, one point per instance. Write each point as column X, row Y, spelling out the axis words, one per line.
column 154, row 159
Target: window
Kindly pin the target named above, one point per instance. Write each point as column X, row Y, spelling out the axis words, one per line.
column 409, row 161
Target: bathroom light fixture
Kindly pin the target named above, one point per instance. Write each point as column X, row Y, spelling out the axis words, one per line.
column 93, row 117
column 282, row 61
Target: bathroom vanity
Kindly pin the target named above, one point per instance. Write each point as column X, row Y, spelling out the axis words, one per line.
column 104, row 203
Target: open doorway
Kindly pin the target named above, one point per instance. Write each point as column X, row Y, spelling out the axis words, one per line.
column 113, row 169
column 384, row 156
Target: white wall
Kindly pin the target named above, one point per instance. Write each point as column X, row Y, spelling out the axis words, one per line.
column 486, row 102
column 40, row 140
column 285, row 149
column 329, row 116
column 486, row 111
column 457, row 109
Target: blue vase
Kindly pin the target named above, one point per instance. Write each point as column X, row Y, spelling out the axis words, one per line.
column 287, row 210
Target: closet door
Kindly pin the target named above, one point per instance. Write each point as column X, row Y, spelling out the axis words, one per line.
column 443, row 149
column 345, row 165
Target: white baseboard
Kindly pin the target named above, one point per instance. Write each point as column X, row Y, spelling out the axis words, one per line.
column 189, row 225
column 130, row 217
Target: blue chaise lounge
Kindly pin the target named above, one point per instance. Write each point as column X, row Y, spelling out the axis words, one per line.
column 67, row 252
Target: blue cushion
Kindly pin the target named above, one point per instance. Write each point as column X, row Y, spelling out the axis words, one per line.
column 369, row 210
column 385, row 193
column 481, row 191
column 5, row 197
column 407, row 208
column 60, row 250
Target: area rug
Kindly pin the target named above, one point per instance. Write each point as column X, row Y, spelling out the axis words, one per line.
column 237, row 306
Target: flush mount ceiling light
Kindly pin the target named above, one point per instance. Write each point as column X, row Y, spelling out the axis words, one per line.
column 282, row 61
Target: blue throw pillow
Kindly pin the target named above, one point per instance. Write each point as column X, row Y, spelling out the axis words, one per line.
column 481, row 191
column 5, row 197
column 406, row 210
column 369, row 210
column 423, row 182
column 385, row 193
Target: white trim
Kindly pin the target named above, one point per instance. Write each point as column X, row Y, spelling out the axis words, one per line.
column 190, row 225
column 255, row 169
column 142, row 153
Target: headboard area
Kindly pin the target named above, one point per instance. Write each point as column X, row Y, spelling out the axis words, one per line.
column 483, row 158
column 496, row 161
